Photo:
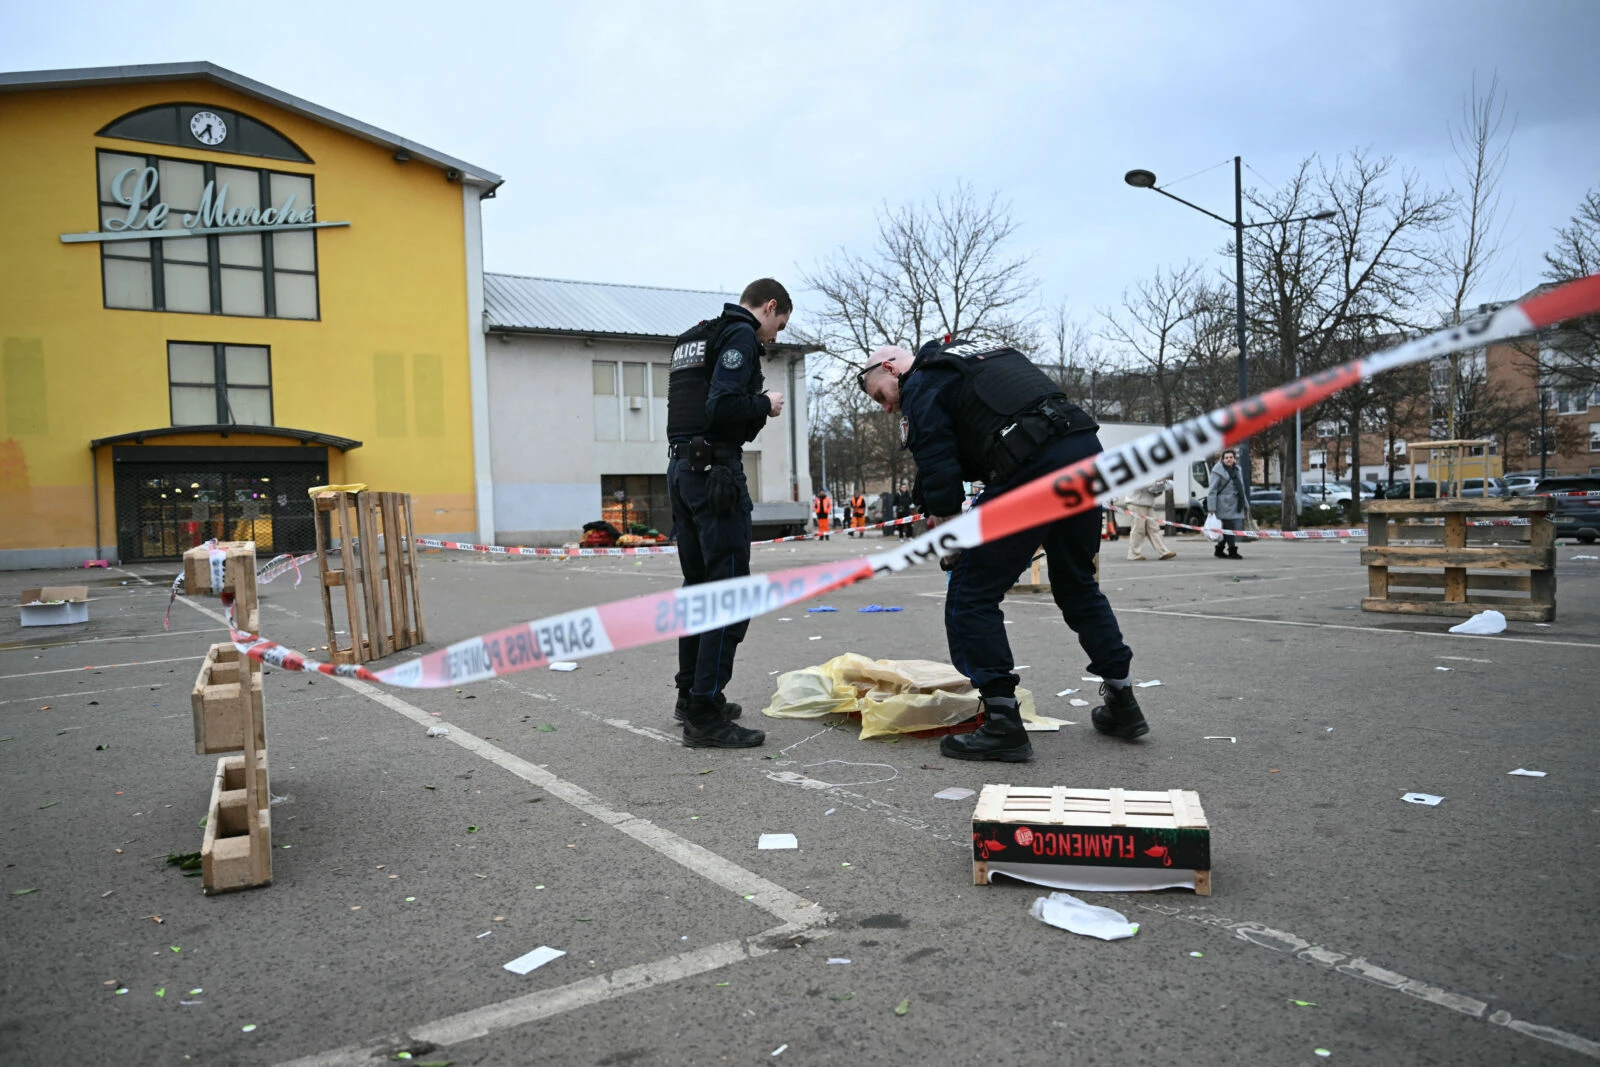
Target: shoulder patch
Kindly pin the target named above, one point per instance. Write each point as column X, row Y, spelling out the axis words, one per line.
column 732, row 358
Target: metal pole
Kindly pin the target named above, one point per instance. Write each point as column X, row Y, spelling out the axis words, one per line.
column 1238, row 324
column 1544, row 404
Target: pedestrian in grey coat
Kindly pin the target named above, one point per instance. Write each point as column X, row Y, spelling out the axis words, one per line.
column 1227, row 500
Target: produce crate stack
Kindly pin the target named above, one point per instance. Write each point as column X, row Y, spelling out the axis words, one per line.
column 236, row 852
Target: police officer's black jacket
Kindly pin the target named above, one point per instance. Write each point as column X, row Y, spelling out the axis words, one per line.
column 976, row 411
column 715, row 388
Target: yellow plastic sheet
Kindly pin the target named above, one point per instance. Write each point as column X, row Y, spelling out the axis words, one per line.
column 892, row 696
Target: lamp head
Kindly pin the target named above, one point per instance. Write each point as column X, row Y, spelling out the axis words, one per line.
column 1324, row 216
column 1140, row 179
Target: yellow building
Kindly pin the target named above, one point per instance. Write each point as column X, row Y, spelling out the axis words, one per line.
column 214, row 295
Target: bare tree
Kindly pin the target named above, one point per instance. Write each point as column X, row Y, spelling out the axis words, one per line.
column 1325, row 293
column 1076, row 359
column 1570, row 356
column 934, row 269
column 1471, row 241
column 1151, row 327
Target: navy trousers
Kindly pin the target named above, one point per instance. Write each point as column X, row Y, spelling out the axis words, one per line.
column 973, row 621
column 710, row 547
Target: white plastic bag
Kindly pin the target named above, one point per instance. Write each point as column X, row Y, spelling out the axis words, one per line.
column 1484, row 622
column 1212, row 528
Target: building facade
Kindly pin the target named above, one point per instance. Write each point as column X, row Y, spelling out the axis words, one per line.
column 578, row 408
column 216, row 295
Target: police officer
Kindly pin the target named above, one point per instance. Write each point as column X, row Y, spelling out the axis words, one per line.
column 716, row 403
column 982, row 412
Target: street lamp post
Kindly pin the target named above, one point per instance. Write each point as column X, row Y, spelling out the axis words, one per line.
column 1144, row 179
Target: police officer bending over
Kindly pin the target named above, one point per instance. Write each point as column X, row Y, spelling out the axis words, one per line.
column 715, row 404
column 982, row 412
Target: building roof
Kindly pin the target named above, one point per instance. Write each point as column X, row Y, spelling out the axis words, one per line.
column 515, row 303
column 16, row 81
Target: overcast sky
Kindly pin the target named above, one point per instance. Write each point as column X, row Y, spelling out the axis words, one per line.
column 699, row 145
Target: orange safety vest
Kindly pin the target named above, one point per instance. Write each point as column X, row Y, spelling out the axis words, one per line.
column 858, row 506
column 822, row 507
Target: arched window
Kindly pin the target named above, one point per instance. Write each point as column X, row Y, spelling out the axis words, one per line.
column 205, row 126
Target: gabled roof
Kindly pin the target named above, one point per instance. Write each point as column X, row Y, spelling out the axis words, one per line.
column 514, row 303
column 15, row 81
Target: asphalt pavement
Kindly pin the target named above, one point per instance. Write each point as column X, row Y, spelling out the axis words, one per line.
column 561, row 811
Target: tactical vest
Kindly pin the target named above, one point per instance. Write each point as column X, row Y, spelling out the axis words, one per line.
column 694, row 356
column 1005, row 410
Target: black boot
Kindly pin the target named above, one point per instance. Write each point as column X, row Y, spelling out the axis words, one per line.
column 1219, row 551
column 705, row 727
column 1001, row 737
column 730, row 710
column 1119, row 716
column 1233, row 552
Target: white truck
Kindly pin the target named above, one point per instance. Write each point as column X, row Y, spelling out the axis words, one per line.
column 1188, row 487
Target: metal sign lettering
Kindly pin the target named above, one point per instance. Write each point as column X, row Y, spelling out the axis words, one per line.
column 214, row 215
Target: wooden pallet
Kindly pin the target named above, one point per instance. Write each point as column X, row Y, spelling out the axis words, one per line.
column 1091, row 827
column 239, row 579
column 1453, row 556
column 372, row 532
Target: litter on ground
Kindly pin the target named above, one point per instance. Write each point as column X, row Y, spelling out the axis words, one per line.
column 1067, row 912
column 956, row 792
column 1075, row 702
column 820, row 609
column 1484, row 622
column 534, row 960
column 563, row 665
column 438, row 731
column 1222, row 737
column 1147, row 685
column 1422, row 798
column 872, row 609
column 776, row 841
column 1527, row 773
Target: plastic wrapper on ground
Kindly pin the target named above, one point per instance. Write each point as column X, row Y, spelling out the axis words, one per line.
column 904, row 696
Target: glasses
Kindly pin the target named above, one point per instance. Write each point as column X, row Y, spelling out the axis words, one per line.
column 861, row 376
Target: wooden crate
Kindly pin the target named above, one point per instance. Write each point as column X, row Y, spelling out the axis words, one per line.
column 1059, row 826
column 1444, row 575
column 239, row 579
column 236, row 852
column 377, row 572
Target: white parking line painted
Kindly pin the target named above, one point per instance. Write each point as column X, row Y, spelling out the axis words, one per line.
column 102, row 667
column 1361, row 629
column 76, row 693
column 108, row 640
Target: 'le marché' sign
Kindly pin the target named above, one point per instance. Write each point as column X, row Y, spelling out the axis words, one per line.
column 214, row 215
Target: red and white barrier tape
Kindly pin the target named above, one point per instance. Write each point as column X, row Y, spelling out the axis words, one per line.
column 282, row 564
column 1073, row 489
column 1287, row 535
column 546, row 553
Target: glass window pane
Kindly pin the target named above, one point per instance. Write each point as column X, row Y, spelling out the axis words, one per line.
column 191, row 364
column 285, row 185
column 658, row 380
column 241, row 251
column 295, row 250
column 181, row 184
column 112, row 164
column 247, row 365
column 128, row 284
column 251, row 407
column 605, row 379
column 244, row 186
column 186, row 249
column 194, row 406
column 188, row 287
column 633, row 379
column 139, row 249
column 243, row 292
column 297, row 295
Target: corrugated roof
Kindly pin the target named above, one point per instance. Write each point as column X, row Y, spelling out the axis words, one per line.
column 157, row 72
column 554, row 305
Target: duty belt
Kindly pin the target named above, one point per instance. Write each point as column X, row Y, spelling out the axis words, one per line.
column 721, row 453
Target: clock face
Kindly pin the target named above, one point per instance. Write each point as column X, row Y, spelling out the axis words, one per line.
column 208, row 127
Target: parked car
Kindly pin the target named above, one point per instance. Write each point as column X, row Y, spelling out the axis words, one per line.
column 1332, row 493
column 1577, row 500
column 1402, row 491
column 1521, row 484
column 1481, row 487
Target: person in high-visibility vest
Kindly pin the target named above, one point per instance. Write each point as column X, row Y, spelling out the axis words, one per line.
column 858, row 515
column 822, row 508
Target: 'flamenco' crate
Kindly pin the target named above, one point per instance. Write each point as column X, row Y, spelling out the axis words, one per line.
column 1115, row 835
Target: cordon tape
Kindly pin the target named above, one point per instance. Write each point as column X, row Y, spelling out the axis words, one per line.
column 1078, row 487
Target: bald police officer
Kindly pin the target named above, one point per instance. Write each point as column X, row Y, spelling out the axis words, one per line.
column 981, row 412
column 716, row 403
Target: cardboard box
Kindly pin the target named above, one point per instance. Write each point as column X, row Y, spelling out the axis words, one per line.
column 55, row 605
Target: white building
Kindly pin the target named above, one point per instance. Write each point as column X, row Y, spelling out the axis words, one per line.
column 577, row 408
